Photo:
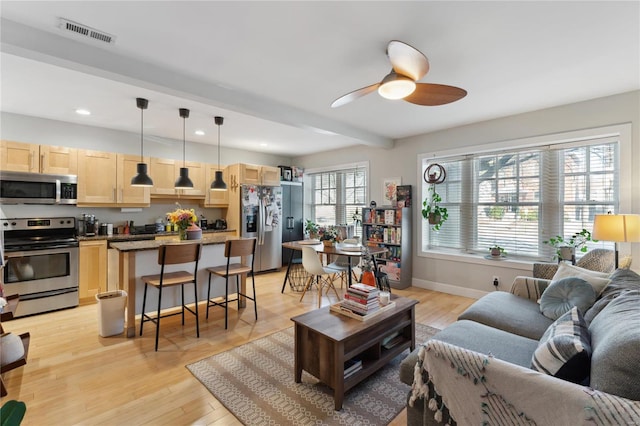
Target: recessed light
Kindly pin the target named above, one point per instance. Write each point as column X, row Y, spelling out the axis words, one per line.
column 199, row 132
column 82, row 111
column 264, row 144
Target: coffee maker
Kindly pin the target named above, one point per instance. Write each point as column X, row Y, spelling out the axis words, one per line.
column 87, row 225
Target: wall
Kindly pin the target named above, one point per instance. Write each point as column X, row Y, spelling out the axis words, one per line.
column 463, row 274
column 23, row 128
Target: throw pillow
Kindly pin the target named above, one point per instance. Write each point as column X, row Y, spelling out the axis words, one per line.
column 621, row 280
column 615, row 339
column 564, row 294
column 598, row 280
column 564, row 350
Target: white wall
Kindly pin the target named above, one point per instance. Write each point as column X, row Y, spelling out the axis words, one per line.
column 473, row 276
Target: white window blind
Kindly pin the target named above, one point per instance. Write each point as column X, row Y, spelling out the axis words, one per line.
column 518, row 198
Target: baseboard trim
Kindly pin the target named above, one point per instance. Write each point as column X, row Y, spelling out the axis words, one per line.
column 448, row 288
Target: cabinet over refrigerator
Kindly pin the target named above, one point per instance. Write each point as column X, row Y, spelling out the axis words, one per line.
column 261, row 216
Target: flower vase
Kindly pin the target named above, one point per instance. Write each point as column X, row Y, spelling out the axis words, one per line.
column 368, row 278
column 327, row 243
column 182, row 233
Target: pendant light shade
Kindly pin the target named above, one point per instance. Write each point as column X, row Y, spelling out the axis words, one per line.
column 183, row 181
column 218, row 183
column 142, row 179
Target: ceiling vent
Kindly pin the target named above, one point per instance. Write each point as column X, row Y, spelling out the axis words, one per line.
column 85, row 31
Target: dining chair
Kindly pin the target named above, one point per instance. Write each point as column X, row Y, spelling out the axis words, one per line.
column 234, row 249
column 319, row 274
column 173, row 254
column 341, row 263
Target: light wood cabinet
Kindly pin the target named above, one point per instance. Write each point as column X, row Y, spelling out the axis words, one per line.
column 251, row 174
column 164, row 173
column 215, row 198
column 34, row 158
column 92, row 270
column 104, row 178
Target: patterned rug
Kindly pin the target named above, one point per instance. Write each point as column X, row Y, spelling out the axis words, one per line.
column 255, row 382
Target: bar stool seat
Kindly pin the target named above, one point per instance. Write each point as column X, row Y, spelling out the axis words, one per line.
column 234, row 249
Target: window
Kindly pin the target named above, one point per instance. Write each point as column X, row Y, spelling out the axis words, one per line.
column 337, row 194
column 517, row 198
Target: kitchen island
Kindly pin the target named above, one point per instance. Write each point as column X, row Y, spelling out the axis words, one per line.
column 140, row 258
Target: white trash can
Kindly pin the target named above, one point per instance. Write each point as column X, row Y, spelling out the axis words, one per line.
column 111, row 312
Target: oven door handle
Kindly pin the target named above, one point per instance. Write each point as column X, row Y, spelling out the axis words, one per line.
column 58, row 191
column 30, row 252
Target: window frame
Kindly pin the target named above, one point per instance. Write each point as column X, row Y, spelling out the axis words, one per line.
column 622, row 132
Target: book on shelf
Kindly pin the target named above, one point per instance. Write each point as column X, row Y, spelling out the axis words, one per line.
column 403, row 196
column 352, row 366
column 389, row 217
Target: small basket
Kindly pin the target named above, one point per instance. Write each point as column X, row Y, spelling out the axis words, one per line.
column 298, row 276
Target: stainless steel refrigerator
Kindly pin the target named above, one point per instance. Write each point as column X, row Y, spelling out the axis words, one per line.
column 262, row 218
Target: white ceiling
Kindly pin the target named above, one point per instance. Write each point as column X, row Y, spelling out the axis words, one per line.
column 273, row 68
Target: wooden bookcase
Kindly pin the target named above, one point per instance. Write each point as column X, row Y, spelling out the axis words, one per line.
column 390, row 227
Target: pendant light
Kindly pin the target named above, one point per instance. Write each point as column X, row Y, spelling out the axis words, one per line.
column 142, row 178
column 218, row 183
column 183, row 181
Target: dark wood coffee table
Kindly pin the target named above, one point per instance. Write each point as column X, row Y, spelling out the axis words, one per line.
column 324, row 340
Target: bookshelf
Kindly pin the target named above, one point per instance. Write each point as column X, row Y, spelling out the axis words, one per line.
column 390, row 227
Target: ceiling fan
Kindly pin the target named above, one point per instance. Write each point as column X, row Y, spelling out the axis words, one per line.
column 408, row 66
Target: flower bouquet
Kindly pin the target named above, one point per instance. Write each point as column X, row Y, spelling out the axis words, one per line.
column 182, row 218
column 328, row 235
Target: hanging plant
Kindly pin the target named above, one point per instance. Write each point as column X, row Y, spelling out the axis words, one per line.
column 433, row 211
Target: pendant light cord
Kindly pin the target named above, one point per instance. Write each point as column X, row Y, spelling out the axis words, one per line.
column 184, row 140
column 218, row 147
column 141, row 136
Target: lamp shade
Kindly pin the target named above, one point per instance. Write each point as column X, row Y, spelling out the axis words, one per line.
column 218, row 183
column 620, row 228
column 142, row 178
column 396, row 86
column 183, row 181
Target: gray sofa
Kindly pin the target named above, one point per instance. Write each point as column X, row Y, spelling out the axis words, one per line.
column 479, row 369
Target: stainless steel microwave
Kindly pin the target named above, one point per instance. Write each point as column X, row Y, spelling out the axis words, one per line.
column 37, row 188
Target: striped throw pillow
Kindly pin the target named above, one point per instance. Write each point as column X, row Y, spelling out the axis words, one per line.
column 564, row 350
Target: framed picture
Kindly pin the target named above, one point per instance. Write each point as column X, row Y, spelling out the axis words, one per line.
column 286, row 173
column 389, row 189
column 403, row 196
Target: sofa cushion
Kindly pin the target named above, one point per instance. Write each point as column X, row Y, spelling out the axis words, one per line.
column 508, row 312
column 564, row 294
column 621, row 280
column 598, row 280
column 564, row 350
column 615, row 339
column 479, row 338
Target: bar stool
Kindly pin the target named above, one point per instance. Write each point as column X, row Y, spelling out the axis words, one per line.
column 173, row 254
column 232, row 249
column 314, row 267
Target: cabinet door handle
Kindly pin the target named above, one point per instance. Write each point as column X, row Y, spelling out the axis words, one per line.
column 42, row 170
column 114, row 194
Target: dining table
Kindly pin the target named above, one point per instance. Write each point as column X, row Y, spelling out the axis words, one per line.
column 337, row 249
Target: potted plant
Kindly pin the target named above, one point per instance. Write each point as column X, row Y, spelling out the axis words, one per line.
column 311, row 229
column 432, row 211
column 328, row 235
column 497, row 251
column 566, row 249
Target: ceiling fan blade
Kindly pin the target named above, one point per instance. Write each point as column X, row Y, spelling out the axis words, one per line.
column 435, row 94
column 407, row 60
column 352, row 96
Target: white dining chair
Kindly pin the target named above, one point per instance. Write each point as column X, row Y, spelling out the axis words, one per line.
column 341, row 263
column 321, row 275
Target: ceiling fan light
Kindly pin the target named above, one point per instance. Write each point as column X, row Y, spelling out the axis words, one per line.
column 218, row 183
column 183, row 181
column 396, row 88
column 142, row 179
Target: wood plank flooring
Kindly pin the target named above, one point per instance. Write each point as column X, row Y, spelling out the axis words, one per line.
column 73, row 376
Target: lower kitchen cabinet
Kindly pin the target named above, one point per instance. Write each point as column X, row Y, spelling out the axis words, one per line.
column 92, row 271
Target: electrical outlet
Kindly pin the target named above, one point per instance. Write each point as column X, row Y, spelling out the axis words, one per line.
column 496, row 281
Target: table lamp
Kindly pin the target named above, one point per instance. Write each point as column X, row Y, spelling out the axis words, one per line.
column 619, row 228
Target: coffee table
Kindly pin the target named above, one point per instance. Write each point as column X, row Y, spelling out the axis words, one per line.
column 324, row 340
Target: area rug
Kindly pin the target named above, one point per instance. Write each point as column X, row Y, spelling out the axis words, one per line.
column 255, row 383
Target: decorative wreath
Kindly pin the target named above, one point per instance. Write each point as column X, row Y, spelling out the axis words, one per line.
column 435, row 174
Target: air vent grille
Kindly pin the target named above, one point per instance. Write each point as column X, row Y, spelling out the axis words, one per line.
column 85, row 31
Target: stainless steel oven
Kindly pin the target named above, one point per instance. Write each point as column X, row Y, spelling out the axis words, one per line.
column 41, row 263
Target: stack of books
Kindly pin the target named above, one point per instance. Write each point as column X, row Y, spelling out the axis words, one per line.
column 361, row 299
column 351, row 367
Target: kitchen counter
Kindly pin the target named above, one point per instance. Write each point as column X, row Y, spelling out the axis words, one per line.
column 138, row 258
column 142, row 237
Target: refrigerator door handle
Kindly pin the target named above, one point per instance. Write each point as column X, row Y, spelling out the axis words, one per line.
column 290, row 222
column 260, row 223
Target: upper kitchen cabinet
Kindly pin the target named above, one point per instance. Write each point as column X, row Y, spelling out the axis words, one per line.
column 215, row 198
column 164, row 173
column 251, row 174
column 104, row 178
column 33, row 158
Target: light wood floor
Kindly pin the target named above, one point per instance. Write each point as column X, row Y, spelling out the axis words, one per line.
column 73, row 376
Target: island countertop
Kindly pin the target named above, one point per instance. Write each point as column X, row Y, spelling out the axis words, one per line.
column 127, row 246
